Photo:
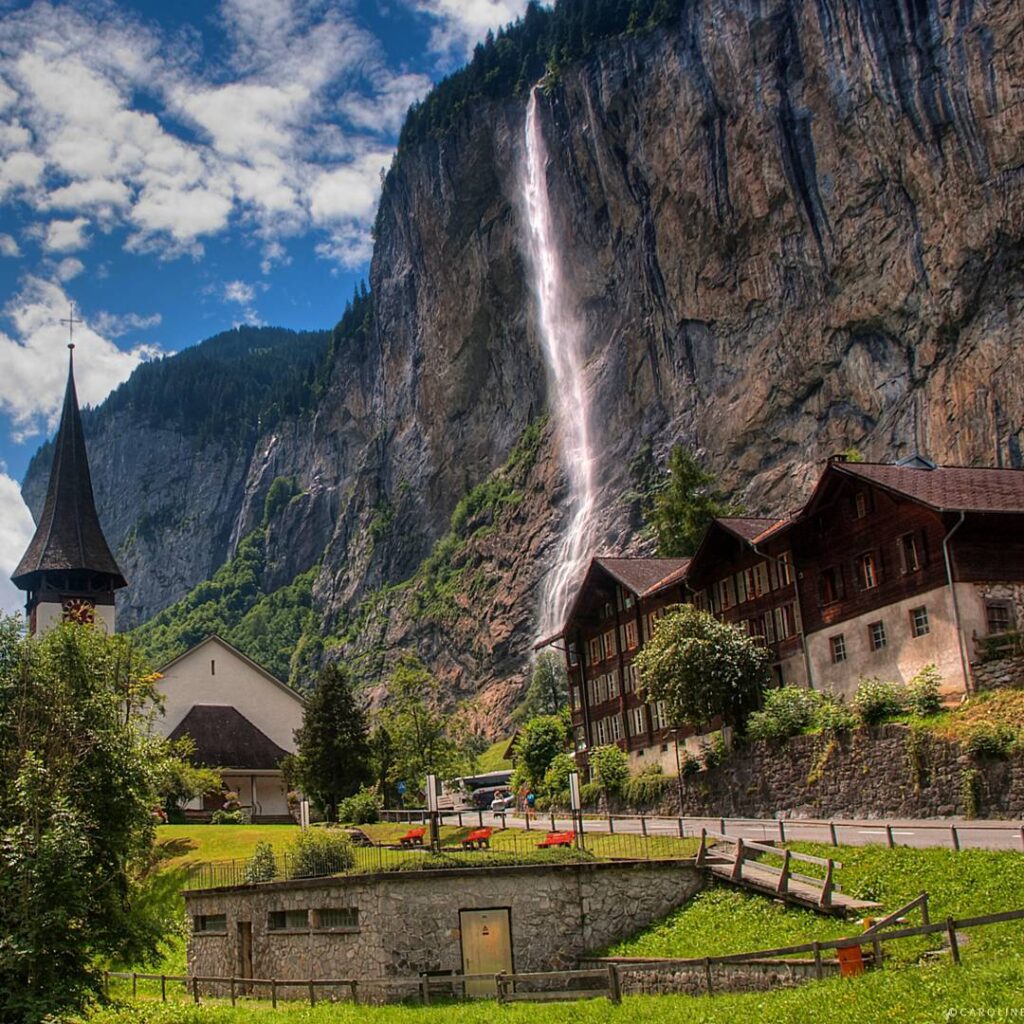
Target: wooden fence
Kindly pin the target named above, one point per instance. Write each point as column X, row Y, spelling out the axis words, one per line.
column 603, row 980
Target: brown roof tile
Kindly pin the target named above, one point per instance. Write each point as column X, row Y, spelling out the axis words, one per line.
column 955, row 488
column 640, row 574
column 225, row 738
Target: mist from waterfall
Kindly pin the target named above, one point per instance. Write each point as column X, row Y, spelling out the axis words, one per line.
column 561, row 336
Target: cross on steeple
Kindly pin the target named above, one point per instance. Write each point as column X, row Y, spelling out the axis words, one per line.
column 71, row 320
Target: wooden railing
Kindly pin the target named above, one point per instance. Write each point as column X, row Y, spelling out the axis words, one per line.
column 745, row 847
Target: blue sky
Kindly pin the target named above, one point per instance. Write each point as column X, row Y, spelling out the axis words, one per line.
column 175, row 168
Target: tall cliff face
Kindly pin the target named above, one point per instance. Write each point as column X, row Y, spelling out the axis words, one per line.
column 791, row 226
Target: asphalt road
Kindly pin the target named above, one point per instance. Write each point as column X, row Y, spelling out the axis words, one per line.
column 989, row 835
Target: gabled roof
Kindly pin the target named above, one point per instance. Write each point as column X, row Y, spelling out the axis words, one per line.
column 945, row 488
column 216, row 638
column 640, row 574
column 225, row 738
column 68, row 535
column 748, row 528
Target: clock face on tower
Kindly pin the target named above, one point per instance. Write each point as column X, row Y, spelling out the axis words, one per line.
column 80, row 610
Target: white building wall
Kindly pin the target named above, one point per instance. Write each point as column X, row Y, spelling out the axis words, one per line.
column 51, row 613
column 231, row 682
column 904, row 655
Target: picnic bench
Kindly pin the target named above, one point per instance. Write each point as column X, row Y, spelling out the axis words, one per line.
column 414, row 837
column 557, row 839
column 478, row 839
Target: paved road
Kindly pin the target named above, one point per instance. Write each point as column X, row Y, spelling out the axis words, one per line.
column 990, row 835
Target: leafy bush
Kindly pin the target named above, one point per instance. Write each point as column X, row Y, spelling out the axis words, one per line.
column 320, row 851
column 833, row 716
column 262, row 866
column 648, row 787
column 610, row 766
column 590, row 794
column 713, row 753
column 361, row 808
column 923, row 692
column 787, row 711
column 556, row 778
column 227, row 818
column 689, row 765
column 986, row 740
column 876, row 701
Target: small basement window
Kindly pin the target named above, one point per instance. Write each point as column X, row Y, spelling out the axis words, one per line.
column 998, row 617
column 337, row 919
column 837, row 648
column 210, row 924
column 288, row 920
column 919, row 625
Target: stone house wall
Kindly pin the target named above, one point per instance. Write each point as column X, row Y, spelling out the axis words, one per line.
column 889, row 771
column 408, row 922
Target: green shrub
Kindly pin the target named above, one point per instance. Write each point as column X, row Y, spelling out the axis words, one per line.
column 590, row 794
column 227, row 818
column 648, row 787
column 262, row 866
column 361, row 808
column 833, row 716
column 989, row 741
column 321, row 851
column 688, row 764
column 610, row 766
column 713, row 753
column 923, row 692
column 787, row 712
column 876, row 701
column 556, row 778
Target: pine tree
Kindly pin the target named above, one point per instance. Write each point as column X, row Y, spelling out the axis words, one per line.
column 333, row 756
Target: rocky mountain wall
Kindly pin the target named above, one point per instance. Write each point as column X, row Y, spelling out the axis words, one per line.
column 791, row 227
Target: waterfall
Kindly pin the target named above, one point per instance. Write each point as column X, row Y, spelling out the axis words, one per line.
column 561, row 337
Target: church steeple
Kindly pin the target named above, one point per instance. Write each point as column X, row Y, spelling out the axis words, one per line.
column 68, row 569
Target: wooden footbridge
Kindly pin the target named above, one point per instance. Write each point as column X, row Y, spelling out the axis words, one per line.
column 744, row 867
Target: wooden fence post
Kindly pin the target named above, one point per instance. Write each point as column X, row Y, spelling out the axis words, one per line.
column 614, row 989
column 611, row 824
column 1022, row 837
column 312, row 993
column 721, row 825
column 818, row 969
column 135, row 985
column 784, row 876
column 707, row 975
column 737, row 865
column 832, row 833
column 195, row 989
column 643, row 825
column 232, row 991
column 924, row 909
column 956, row 838
column 702, row 849
column 355, row 991
column 273, row 992
column 553, row 821
column 888, row 837
column 782, row 831
column 877, row 945
column 163, row 988
column 499, row 986
column 954, row 946
column 481, row 817
column 826, row 888
column 425, row 990
column 682, row 830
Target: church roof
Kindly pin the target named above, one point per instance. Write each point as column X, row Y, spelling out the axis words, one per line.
column 225, row 738
column 68, row 535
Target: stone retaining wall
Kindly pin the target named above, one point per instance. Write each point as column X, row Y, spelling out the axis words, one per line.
column 752, row 976
column 891, row 771
column 408, row 922
column 1003, row 673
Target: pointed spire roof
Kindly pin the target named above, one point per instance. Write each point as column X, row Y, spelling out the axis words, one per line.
column 68, row 535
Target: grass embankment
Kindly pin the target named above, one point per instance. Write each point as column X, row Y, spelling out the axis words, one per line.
column 185, row 844
column 493, row 758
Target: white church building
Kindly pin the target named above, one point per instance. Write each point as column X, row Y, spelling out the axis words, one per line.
column 241, row 719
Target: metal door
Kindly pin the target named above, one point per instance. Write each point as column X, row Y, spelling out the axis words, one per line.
column 245, row 949
column 486, row 946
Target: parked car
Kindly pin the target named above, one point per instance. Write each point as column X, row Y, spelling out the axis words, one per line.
column 503, row 802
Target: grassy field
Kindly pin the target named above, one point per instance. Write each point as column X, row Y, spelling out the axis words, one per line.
column 493, row 758
column 191, row 843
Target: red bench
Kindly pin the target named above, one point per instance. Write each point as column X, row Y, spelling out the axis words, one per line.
column 558, row 839
column 478, row 839
column 414, row 837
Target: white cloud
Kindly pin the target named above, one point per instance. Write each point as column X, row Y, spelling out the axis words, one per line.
column 113, row 325
column 69, row 268
column 16, row 530
column 35, row 363
column 9, row 246
column 461, row 24
column 240, row 292
column 66, row 235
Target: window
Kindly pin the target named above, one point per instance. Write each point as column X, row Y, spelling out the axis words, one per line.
column 628, row 600
column 608, row 611
column 210, row 924
column 337, row 919
column 830, row 584
column 725, row 594
column 596, row 654
column 602, row 689
column 998, row 616
column 638, row 720
column 616, row 722
column 613, row 683
column 837, row 645
column 910, row 553
column 785, row 621
column 861, row 504
column 769, row 627
column 785, row 568
column 659, row 715
column 631, row 636
column 919, row 621
column 741, row 588
column 576, row 698
column 288, row 921
column 867, row 571
column 756, row 579
column 580, row 736
column 631, row 679
column 876, row 633
column 609, row 643
column 213, row 667
column 573, row 655
column 602, row 732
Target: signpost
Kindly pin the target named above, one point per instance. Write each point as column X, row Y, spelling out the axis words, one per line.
column 433, row 792
column 576, row 806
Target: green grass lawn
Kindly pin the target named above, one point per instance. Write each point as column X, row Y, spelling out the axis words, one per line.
column 191, row 843
column 493, row 758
